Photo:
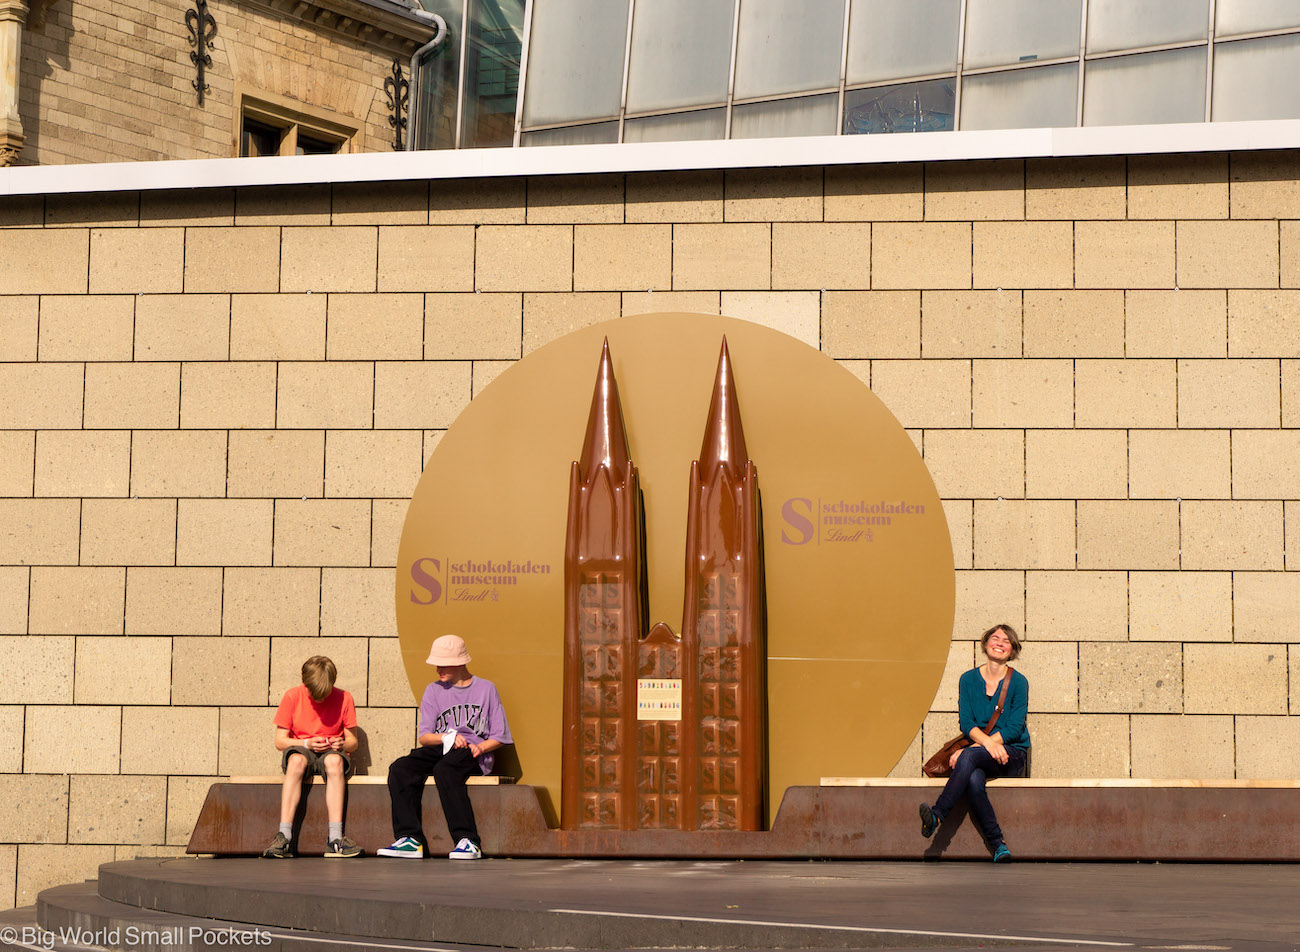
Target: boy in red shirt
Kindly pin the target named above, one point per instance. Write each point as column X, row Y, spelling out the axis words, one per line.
column 315, row 726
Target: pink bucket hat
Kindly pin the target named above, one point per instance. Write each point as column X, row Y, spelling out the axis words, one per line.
column 448, row 652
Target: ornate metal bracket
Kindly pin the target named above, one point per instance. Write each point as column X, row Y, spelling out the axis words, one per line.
column 203, row 29
column 398, row 91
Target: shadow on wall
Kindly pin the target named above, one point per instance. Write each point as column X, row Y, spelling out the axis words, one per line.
column 46, row 38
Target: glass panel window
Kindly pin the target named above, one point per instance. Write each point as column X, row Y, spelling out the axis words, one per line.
column 575, row 60
column 1254, row 16
column 912, row 107
column 1021, row 98
column 785, row 46
column 1256, row 79
column 496, row 29
column 681, row 53
column 594, row 133
column 1002, row 32
column 438, row 79
column 1147, row 88
column 1126, row 25
column 894, row 39
column 678, row 127
column 806, row 116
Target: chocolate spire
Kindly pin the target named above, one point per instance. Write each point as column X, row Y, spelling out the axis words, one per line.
column 606, row 439
column 724, row 437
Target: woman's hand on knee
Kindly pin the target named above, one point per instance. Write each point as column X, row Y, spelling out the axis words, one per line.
column 997, row 751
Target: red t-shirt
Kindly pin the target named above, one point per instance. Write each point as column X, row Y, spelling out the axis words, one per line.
column 302, row 717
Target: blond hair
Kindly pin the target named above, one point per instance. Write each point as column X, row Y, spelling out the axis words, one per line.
column 319, row 674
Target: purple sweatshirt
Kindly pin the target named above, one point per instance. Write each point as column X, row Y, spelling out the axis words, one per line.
column 474, row 710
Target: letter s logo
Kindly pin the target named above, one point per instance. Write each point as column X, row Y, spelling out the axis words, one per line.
column 426, row 581
column 796, row 520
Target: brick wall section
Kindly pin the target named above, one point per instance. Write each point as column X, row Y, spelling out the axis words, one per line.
column 110, row 80
column 198, row 385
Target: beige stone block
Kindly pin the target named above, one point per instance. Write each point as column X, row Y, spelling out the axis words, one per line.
column 54, row 741
column 18, row 326
column 170, row 740
column 961, row 658
column 1174, row 746
column 357, row 602
column 41, row 396
column 420, row 395
column 132, row 396
column 8, row 866
column 137, row 260
column 874, row 192
column 871, row 324
column 373, row 463
column 135, row 670
column 185, row 796
column 72, row 600
column 220, row 670
column 547, row 317
column 1289, row 250
column 921, row 255
column 1178, row 186
column 22, row 211
column 692, row 196
column 1034, row 254
column 1128, row 534
column 523, row 258
column 117, row 810
column 960, row 515
column 1263, row 606
column 936, row 730
column 1124, row 254
column 478, row 202
column 224, row 532
column 1180, row 606
column 1293, row 653
column 1265, row 185
column 426, row 258
column 1220, row 534
column 1074, row 324
column 821, row 255
column 1126, row 393
column 1228, row 254
column 124, row 853
column 277, row 326
column 246, row 746
column 733, row 256
column 796, row 313
column 1129, row 678
column 1175, row 323
column 103, row 208
column 232, row 260
column 268, row 463
column 1076, row 464
column 1076, row 606
column 1075, row 188
column 1080, row 746
column 350, row 657
column 173, row 601
column 187, row 206
column 770, row 195
column 613, row 257
column 228, row 395
column 976, row 464
column 322, row 532
column 1268, row 748
column 36, row 807
column 82, row 462
column 909, row 764
column 1291, row 516
column 985, row 599
column 46, row 866
column 333, row 394
column 339, row 258
column 128, row 532
column 381, row 203
column 1263, row 323
column 1023, row 393
column 14, row 590
column 1052, row 668
column 924, row 393
column 1221, row 393
column 1265, row 464
column 1290, row 392
column 275, row 204
column 182, row 327
column 86, row 326
column 375, row 327
column 387, row 518
column 970, row 323
column 39, row 531
column 467, row 326
column 1179, row 464
column 862, row 370
column 565, row 199
column 671, row 302
column 44, row 261
column 389, row 686
column 989, row 190
column 38, row 669
column 278, row 602
column 385, row 734
column 1235, row 679
column 178, row 463
column 1014, row 534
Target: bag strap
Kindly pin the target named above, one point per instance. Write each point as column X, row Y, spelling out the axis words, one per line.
column 1002, row 700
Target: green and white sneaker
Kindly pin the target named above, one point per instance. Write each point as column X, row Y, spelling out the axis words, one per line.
column 408, row 847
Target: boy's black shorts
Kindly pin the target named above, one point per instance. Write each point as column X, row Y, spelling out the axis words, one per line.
column 315, row 763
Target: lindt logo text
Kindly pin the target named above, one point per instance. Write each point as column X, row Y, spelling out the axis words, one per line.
column 468, row 580
column 840, row 520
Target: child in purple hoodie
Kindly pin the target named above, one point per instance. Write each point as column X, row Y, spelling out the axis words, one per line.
column 461, row 724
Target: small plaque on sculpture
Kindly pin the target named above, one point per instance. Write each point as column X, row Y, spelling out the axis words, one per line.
column 658, row 699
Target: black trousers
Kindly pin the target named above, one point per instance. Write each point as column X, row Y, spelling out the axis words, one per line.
column 406, row 776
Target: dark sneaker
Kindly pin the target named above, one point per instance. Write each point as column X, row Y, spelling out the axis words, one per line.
column 343, row 848
column 279, row 848
column 1002, row 854
column 929, row 822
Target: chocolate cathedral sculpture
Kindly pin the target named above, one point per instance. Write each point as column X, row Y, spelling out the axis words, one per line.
column 664, row 731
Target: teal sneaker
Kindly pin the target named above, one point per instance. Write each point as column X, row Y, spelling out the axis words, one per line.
column 408, row 847
column 929, row 822
column 1002, row 854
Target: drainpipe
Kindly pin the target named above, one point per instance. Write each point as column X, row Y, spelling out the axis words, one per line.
column 412, row 102
column 13, row 13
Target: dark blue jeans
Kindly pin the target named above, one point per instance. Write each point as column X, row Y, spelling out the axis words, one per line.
column 975, row 766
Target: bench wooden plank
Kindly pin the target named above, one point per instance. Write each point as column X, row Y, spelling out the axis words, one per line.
column 278, row 780
column 1070, row 784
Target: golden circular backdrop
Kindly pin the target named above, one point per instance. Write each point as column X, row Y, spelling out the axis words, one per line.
column 859, row 572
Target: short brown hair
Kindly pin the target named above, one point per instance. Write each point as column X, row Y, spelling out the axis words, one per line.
column 1011, row 634
column 319, row 673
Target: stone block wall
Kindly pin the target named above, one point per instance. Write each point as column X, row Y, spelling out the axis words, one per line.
column 217, row 404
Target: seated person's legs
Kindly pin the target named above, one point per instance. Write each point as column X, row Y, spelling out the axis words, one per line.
column 972, row 758
column 296, row 765
column 406, row 777
column 450, row 775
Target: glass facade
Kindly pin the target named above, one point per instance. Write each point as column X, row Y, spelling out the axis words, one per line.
column 551, row 72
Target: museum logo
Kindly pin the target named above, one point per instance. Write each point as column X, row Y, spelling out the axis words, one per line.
column 841, row 520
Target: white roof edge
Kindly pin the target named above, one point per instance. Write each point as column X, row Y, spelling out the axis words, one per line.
column 652, row 157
